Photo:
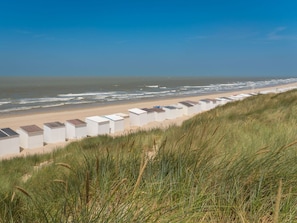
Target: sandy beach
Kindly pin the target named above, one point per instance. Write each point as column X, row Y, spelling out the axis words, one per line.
column 16, row 121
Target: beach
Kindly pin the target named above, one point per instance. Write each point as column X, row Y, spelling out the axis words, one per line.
column 39, row 118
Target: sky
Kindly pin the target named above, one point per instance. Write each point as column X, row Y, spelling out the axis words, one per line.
column 155, row 37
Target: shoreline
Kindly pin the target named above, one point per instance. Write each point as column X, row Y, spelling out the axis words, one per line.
column 39, row 118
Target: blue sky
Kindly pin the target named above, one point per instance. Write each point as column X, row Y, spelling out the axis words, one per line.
column 174, row 37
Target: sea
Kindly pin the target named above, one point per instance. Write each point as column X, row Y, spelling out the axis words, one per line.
column 27, row 94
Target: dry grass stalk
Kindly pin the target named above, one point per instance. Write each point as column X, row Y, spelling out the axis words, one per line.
column 141, row 171
column 64, row 165
column 12, row 197
column 151, row 154
column 277, row 202
column 23, row 191
column 87, row 187
column 117, row 186
column 60, row 181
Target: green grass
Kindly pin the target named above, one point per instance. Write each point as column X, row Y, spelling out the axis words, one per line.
column 236, row 163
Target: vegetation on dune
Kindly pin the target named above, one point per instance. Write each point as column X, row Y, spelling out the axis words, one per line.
column 236, row 163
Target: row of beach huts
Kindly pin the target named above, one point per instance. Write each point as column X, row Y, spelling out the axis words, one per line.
column 32, row 136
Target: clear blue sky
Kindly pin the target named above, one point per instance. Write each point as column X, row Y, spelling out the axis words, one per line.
column 148, row 37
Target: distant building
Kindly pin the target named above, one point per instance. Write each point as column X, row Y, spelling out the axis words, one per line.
column 9, row 142
column 97, row 125
column 160, row 114
column 170, row 112
column 116, row 123
column 188, row 108
column 150, row 114
column 76, row 129
column 126, row 119
column 197, row 107
column 138, row 117
column 31, row 137
column 54, row 132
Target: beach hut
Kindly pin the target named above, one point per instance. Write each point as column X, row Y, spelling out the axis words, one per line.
column 160, row 114
column 206, row 104
column 116, row 123
column 54, row 132
column 213, row 103
column 171, row 112
column 197, row 107
column 138, row 117
column 150, row 114
column 9, row 142
column 31, row 137
column 188, row 108
column 179, row 110
column 224, row 100
column 126, row 119
column 75, row 129
column 97, row 125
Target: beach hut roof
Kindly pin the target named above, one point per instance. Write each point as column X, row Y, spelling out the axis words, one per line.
column 30, row 129
column 114, row 117
column 148, row 110
column 205, row 100
column 170, row 107
column 123, row 115
column 7, row 132
column 224, row 99
column 137, row 111
column 54, row 125
column 98, row 119
column 187, row 104
column 76, row 122
column 192, row 102
column 158, row 110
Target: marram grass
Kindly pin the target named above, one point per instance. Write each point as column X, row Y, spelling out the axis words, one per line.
column 236, row 163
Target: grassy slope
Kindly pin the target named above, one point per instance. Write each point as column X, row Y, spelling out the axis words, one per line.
column 236, row 163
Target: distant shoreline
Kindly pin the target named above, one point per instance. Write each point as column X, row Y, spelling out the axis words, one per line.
column 39, row 116
column 27, row 96
column 75, row 107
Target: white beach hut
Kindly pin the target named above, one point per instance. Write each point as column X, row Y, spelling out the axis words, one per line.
column 150, row 114
column 31, row 137
column 126, row 119
column 117, row 123
column 75, row 129
column 197, row 107
column 97, row 125
column 224, row 100
column 160, row 114
column 171, row 112
column 206, row 104
column 54, row 132
column 138, row 117
column 179, row 110
column 213, row 103
column 9, row 142
column 188, row 108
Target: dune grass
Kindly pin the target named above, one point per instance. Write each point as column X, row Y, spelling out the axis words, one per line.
column 236, row 163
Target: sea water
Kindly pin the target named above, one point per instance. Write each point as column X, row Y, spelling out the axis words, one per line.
column 19, row 94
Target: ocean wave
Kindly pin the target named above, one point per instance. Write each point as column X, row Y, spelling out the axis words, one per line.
column 152, row 86
column 4, row 102
column 87, row 94
column 53, row 105
column 18, row 109
column 40, row 100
